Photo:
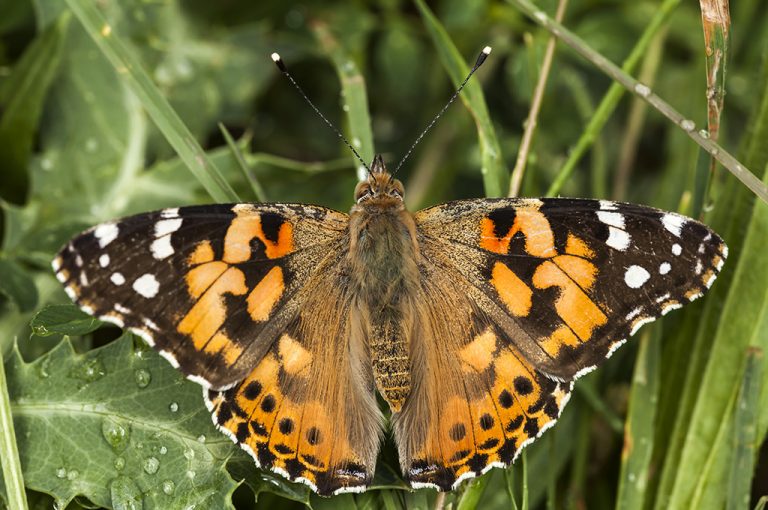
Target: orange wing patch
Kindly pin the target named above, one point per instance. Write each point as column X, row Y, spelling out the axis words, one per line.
column 246, row 227
column 295, row 437
column 477, row 432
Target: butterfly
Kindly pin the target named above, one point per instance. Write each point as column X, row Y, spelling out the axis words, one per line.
column 471, row 319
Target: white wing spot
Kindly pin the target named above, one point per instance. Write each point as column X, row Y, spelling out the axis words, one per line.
column 665, row 268
column 673, row 222
column 636, row 276
column 669, row 307
column 640, row 323
column 607, row 205
column 106, row 233
column 83, row 279
column 170, row 213
column 663, row 298
column 611, row 218
column 618, row 239
column 161, row 248
column 677, row 249
column 146, row 285
column 165, row 227
column 104, row 260
column 79, row 261
column 117, row 278
column 699, row 267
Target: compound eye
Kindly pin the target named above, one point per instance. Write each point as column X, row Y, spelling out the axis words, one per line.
column 396, row 193
column 364, row 194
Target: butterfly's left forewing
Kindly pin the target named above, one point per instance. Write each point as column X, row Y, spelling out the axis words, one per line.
column 211, row 287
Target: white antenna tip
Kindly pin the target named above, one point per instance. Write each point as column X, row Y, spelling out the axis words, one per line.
column 275, row 57
column 487, row 50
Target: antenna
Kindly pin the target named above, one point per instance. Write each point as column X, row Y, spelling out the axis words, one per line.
column 283, row 69
column 480, row 59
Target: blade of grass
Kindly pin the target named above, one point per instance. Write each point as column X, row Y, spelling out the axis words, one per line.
column 533, row 114
column 256, row 187
column 625, row 80
column 640, row 422
column 472, row 494
column 9, row 451
column 745, row 432
column 317, row 167
column 742, row 323
column 353, row 91
column 494, row 173
column 168, row 122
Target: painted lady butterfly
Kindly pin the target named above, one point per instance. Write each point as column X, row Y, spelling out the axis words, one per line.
column 472, row 319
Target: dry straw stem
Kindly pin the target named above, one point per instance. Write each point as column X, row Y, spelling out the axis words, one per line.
column 614, row 72
column 716, row 22
column 533, row 115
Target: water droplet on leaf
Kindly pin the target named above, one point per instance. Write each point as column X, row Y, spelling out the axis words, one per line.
column 173, row 407
column 142, row 377
column 125, row 494
column 168, row 487
column 119, row 463
column 151, row 465
column 116, row 433
column 61, row 473
column 201, row 438
column 89, row 371
column 71, row 475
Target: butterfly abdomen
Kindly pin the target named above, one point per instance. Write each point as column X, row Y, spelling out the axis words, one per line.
column 383, row 257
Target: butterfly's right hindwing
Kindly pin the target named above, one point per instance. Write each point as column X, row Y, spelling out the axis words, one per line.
column 209, row 286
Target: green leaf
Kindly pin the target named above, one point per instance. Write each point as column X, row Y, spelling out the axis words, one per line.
column 166, row 119
column 745, row 432
column 495, row 174
column 63, row 320
column 119, row 426
column 22, row 96
column 17, row 285
column 639, row 426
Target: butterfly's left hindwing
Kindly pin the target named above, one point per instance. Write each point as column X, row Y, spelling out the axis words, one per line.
column 209, row 286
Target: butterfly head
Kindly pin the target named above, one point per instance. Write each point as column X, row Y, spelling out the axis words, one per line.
column 380, row 190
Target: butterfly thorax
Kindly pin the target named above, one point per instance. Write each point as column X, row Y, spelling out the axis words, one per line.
column 383, row 257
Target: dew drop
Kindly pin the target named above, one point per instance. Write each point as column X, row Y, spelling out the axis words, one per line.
column 189, row 454
column 89, row 371
column 125, row 494
column 116, row 433
column 191, row 474
column 151, row 465
column 541, row 16
column 642, row 89
column 168, row 487
column 173, row 407
column 704, row 134
column 688, row 125
column 142, row 377
column 119, row 463
column 61, row 473
column 72, row 474
column 201, row 438
column 163, row 450
column 46, row 164
column 345, row 107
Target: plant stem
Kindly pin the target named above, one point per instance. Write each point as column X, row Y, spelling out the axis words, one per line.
column 9, row 451
column 533, row 114
column 625, row 80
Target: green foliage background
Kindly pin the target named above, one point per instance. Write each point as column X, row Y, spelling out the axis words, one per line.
column 674, row 420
